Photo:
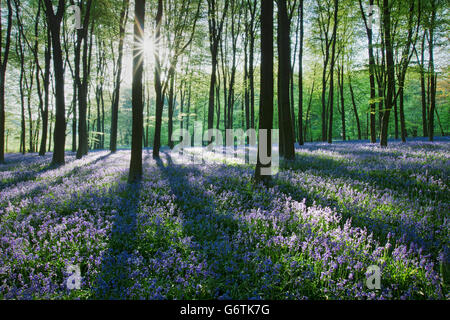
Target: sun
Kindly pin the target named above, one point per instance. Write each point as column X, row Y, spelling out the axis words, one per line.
column 148, row 46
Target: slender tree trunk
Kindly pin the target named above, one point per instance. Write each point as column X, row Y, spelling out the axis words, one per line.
column 308, row 110
column 19, row 51
column 341, row 88
column 171, row 103
column 4, row 54
column 422, row 87
column 215, row 32
column 30, row 115
column 355, row 111
column 395, row 116
column 284, row 65
column 333, row 59
column 369, row 32
column 390, row 72
column 44, row 116
column 300, row 77
column 83, row 143
column 138, row 66
column 266, row 97
column 158, row 86
column 432, row 93
column 251, row 69
column 116, row 94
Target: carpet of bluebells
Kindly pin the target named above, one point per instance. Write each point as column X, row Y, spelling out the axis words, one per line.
column 205, row 231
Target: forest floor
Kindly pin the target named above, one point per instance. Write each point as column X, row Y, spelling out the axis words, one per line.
column 204, row 231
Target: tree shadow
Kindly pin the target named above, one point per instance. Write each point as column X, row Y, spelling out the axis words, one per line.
column 116, row 274
column 77, row 170
column 399, row 181
column 32, row 174
column 379, row 223
column 213, row 230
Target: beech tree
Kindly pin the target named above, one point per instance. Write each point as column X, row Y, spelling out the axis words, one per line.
column 266, row 84
column 54, row 20
column 138, row 67
column 4, row 55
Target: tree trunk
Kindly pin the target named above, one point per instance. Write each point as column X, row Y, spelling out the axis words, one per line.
column 266, row 96
column 390, row 72
column 83, row 143
column 300, row 78
column 422, row 87
column 171, row 106
column 358, row 125
column 19, row 51
column 333, row 58
column 341, row 88
column 158, row 86
column 309, row 108
column 44, row 116
column 369, row 32
column 116, row 94
column 432, row 93
column 284, row 66
column 135, row 173
column 3, row 64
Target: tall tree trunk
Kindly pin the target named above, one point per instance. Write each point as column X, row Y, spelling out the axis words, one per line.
column 171, row 106
column 390, row 72
column 116, row 94
column 215, row 32
column 138, row 66
column 422, row 86
column 83, row 143
column 266, row 96
column 300, row 77
column 29, row 83
column 158, row 86
column 284, row 65
column 251, row 57
column 432, row 93
column 369, row 32
column 403, row 66
column 19, row 51
column 333, row 60
column 44, row 116
column 341, row 89
column 246, row 78
column 4, row 54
